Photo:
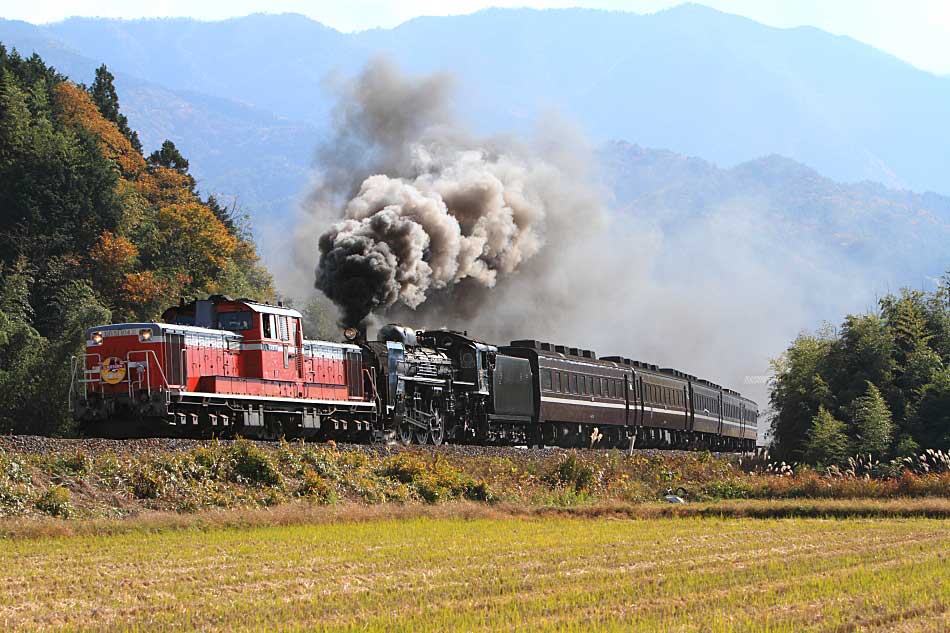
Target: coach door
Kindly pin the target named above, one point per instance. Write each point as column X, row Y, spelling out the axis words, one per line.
column 688, row 401
column 175, row 373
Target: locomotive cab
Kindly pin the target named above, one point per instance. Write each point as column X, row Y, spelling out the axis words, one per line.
column 474, row 360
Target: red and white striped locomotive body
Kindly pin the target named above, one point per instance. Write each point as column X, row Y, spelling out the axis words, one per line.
column 219, row 364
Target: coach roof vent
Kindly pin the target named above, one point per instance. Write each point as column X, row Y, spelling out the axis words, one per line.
column 573, row 351
column 527, row 343
column 560, row 349
column 586, row 353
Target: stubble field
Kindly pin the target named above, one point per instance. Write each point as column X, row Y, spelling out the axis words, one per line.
column 487, row 574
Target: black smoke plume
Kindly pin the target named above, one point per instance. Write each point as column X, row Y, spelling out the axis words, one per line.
column 425, row 205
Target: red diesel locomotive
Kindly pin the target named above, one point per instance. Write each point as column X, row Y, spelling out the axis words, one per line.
column 215, row 363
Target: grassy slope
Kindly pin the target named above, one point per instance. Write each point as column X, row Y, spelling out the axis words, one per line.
column 94, row 480
column 433, row 574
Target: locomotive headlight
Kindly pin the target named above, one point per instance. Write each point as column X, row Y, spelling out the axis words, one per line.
column 97, row 338
column 145, row 335
column 350, row 333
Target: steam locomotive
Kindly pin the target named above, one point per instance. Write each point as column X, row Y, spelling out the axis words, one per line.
column 222, row 367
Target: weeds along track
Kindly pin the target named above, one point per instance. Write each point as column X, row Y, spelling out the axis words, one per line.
column 98, row 479
column 40, row 445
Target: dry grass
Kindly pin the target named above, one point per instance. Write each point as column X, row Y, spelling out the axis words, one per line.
column 301, row 513
column 424, row 570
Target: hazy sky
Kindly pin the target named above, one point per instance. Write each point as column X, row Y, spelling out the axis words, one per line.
column 915, row 30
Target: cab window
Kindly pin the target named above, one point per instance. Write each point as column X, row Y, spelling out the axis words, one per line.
column 235, row 321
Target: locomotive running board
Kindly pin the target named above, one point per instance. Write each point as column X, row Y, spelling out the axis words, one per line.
column 180, row 395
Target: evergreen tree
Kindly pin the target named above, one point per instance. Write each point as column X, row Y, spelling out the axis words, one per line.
column 937, row 314
column 827, row 442
column 922, row 368
column 862, row 353
column 22, row 352
column 871, row 422
column 931, row 422
column 169, row 156
column 107, row 100
column 223, row 213
column 798, row 390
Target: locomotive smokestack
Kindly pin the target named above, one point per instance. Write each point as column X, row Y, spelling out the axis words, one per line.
column 356, row 334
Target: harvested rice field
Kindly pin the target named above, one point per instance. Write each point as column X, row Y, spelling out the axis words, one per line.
column 488, row 574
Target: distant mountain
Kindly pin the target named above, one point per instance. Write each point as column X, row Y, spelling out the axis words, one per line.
column 247, row 100
column 900, row 234
column 691, row 79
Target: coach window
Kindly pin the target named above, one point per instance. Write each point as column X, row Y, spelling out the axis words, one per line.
column 573, row 378
column 557, row 381
column 268, row 329
column 546, row 382
column 598, row 387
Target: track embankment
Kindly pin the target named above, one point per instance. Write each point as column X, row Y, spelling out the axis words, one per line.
column 98, row 482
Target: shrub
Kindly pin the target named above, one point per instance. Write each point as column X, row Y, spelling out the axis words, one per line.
column 209, row 459
column 13, row 498
column 145, row 483
column 76, row 464
column 729, row 489
column 572, row 472
column 435, row 482
column 404, row 468
column 316, row 488
column 324, row 461
column 252, row 465
column 55, row 502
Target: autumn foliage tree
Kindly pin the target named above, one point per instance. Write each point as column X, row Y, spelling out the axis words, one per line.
column 91, row 229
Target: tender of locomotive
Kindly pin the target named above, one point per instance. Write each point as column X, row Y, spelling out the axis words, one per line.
column 221, row 367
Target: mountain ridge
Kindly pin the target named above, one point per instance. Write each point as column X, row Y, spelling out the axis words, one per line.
column 258, row 84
